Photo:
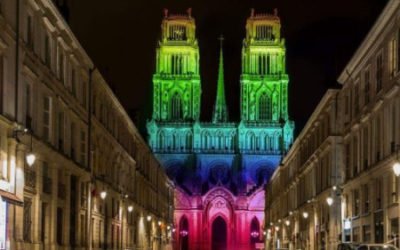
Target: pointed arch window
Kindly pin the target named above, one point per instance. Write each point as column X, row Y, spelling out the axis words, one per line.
column 188, row 143
column 264, row 107
column 251, row 141
column 162, row 140
column 176, row 107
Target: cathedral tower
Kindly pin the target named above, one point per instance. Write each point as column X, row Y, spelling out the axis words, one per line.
column 177, row 81
column 264, row 85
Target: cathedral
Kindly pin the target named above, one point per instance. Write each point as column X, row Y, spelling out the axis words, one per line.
column 220, row 167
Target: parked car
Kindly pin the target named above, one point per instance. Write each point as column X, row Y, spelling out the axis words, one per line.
column 347, row 246
column 376, row 247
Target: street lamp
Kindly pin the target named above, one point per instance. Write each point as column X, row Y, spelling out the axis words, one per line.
column 305, row 215
column 103, row 194
column 130, row 208
column 329, row 200
column 30, row 159
column 287, row 222
column 149, row 218
column 396, row 168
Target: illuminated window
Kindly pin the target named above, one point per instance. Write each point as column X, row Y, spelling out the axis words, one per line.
column 264, row 107
column 177, row 32
column 264, row 32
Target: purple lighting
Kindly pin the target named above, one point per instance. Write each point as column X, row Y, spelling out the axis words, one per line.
column 184, row 233
column 255, row 234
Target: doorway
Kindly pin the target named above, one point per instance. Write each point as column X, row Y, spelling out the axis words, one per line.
column 184, row 234
column 219, row 234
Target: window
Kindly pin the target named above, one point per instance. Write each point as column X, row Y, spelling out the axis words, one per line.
column 61, row 65
column 47, row 50
column 176, row 107
column 61, row 131
column 392, row 57
column 27, row 226
column 264, row 32
column 60, row 228
column 177, row 32
column 84, row 95
column 28, row 104
column 355, row 156
column 43, row 222
column 73, row 82
column 366, row 86
column 366, row 233
column 83, row 147
column 72, row 149
column 365, row 194
column 264, row 107
column 365, row 148
column 378, row 138
column 347, row 161
column 356, row 202
column 356, row 98
column 379, row 72
column 29, row 28
column 46, row 180
column 176, row 64
column 356, row 234
column 47, row 118
column 393, row 188
column 264, row 64
column 379, row 193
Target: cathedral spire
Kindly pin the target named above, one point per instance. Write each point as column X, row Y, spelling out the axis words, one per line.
column 220, row 109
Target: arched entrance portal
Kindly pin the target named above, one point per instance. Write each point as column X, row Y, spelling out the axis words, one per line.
column 254, row 232
column 219, row 234
column 184, row 234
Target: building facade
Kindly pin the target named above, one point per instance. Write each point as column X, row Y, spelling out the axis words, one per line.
column 220, row 167
column 365, row 197
column 95, row 183
column 371, row 108
column 297, row 214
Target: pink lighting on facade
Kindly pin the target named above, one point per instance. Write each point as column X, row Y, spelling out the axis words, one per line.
column 218, row 220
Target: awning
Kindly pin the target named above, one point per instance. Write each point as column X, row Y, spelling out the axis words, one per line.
column 11, row 198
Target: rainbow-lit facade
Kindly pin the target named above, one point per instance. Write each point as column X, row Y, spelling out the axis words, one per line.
column 220, row 167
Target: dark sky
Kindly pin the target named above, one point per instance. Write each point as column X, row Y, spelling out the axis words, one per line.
column 120, row 36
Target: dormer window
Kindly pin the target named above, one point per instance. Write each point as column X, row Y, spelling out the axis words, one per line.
column 177, row 32
column 264, row 32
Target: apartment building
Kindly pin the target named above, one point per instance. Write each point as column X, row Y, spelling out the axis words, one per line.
column 94, row 182
column 298, row 215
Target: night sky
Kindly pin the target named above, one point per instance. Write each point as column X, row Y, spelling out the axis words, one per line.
column 121, row 35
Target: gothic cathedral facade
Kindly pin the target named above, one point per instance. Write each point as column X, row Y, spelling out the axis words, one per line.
column 220, row 167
